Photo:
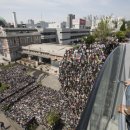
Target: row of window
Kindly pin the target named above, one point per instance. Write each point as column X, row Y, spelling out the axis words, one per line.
column 48, row 40
column 48, row 33
column 73, row 37
column 22, row 31
column 23, row 40
column 76, row 32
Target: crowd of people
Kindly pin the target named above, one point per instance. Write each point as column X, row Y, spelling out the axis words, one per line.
column 78, row 70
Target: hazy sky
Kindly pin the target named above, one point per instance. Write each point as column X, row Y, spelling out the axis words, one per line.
column 57, row 10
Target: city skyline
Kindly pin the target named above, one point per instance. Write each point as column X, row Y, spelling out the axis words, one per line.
column 57, row 10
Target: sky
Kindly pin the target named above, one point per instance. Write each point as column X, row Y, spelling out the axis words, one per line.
column 57, row 10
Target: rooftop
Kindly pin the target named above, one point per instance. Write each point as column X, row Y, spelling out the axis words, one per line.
column 52, row 49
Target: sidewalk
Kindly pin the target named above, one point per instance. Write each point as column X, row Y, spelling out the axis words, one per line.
column 8, row 123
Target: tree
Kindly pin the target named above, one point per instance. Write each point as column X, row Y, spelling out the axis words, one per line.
column 89, row 39
column 120, row 35
column 123, row 28
column 128, row 25
column 103, row 30
column 53, row 118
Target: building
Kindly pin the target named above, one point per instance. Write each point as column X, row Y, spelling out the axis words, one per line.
column 48, row 35
column 62, row 35
column 46, row 53
column 70, row 17
column 31, row 21
column 79, row 23
column 40, row 24
column 57, row 25
column 11, row 40
column 88, row 20
column 70, row 36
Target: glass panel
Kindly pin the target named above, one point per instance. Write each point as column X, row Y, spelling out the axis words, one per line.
column 101, row 111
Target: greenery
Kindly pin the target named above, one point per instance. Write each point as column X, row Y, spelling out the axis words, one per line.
column 76, row 46
column 32, row 124
column 32, row 127
column 53, row 118
column 6, row 107
column 89, row 39
column 121, row 35
column 128, row 33
column 123, row 28
column 3, row 87
column 103, row 30
column 128, row 25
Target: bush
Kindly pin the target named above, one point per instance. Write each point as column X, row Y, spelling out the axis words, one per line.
column 53, row 118
column 3, row 87
column 76, row 46
column 121, row 35
column 89, row 39
column 123, row 28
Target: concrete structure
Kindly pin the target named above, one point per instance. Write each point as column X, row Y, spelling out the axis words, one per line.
column 15, row 19
column 70, row 17
column 40, row 24
column 62, row 35
column 88, row 20
column 48, row 35
column 11, row 40
column 57, row 25
column 48, row 53
column 69, row 36
column 30, row 21
column 79, row 23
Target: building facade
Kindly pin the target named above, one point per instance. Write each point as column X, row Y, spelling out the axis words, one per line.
column 48, row 35
column 79, row 23
column 62, row 35
column 69, row 36
column 11, row 40
column 70, row 17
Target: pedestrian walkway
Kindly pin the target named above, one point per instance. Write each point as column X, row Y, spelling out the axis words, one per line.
column 8, row 123
column 51, row 81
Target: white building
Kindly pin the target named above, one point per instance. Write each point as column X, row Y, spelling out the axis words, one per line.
column 69, row 36
column 62, row 35
column 57, row 25
column 79, row 23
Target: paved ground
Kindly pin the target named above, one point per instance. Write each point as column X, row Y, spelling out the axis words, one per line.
column 49, row 69
column 52, row 82
column 8, row 123
column 2, row 61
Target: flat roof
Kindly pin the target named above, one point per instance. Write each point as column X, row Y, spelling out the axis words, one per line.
column 52, row 49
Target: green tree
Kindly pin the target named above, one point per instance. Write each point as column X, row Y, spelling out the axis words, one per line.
column 53, row 118
column 123, row 28
column 103, row 30
column 120, row 35
column 128, row 25
column 89, row 39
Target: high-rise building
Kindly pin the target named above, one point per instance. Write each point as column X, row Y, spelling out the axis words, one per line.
column 15, row 19
column 30, row 21
column 70, row 17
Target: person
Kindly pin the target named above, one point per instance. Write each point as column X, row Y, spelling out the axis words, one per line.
column 125, row 109
column 2, row 126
